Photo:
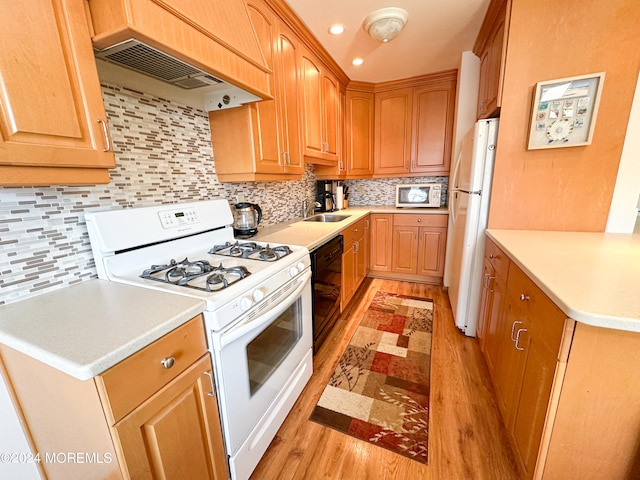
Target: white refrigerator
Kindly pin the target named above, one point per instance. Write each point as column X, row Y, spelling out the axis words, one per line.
column 469, row 194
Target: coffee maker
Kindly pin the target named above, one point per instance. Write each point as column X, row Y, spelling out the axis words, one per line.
column 325, row 201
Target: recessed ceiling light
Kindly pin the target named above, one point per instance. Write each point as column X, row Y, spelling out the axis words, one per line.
column 357, row 62
column 336, row 29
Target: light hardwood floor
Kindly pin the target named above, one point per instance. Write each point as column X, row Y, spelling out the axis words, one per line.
column 467, row 438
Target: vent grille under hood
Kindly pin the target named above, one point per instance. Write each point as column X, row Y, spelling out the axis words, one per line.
column 149, row 61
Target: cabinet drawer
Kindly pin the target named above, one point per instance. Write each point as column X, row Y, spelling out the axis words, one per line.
column 543, row 318
column 420, row 220
column 133, row 380
column 353, row 232
column 498, row 259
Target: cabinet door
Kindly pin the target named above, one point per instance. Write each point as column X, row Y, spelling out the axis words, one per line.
column 359, row 129
column 392, row 151
column 534, row 396
column 311, row 85
column 331, row 117
column 405, row 249
column 176, row 433
column 269, row 153
column 287, row 94
column 431, row 251
column 433, row 112
column 491, row 53
column 349, row 273
column 381, row 241
column 51, row 109
column 488, row 277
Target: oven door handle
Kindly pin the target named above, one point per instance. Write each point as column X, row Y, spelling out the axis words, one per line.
column 265, row 316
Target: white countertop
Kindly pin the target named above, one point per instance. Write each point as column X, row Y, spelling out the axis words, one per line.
column 314, row 234
column 593, row 278
column 85, row 329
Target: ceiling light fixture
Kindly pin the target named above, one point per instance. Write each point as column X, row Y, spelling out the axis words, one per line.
column 385, row 24
column 336, row 29
column 356, row 62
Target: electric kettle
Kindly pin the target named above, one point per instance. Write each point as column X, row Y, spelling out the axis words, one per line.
column 248, row 216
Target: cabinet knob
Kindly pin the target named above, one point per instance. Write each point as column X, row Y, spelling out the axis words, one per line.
column 419, row 220
column 492, row 256
column 524, row 297
column 168, row 362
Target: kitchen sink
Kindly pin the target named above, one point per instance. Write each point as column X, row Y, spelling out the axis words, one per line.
column 327, row 218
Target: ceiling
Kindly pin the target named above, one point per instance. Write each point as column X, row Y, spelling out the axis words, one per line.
column 433, row 38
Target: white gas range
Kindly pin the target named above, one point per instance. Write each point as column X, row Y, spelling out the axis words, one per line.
column 258, row 307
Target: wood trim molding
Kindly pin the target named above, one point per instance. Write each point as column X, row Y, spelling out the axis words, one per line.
column 445, row 75
column 288, row 16
column 355, row 86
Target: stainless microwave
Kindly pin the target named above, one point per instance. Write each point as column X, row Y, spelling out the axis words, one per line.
column 418, row 195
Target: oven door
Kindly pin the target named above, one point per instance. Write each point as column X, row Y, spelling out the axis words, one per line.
column 255, row 359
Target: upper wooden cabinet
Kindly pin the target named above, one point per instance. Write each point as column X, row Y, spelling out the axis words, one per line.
column 53, row 126
column 261, row 141
column 491, row 47
column 393, row 113
column 414, row 126
column 320, row 103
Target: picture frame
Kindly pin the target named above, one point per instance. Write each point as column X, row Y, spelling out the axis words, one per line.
column 563, row 112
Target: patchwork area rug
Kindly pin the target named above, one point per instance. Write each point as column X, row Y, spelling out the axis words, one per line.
column 379, row 391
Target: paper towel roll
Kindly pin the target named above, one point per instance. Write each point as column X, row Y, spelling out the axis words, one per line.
column 339, row 198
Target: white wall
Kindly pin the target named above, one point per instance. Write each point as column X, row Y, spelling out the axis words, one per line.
column 623, row 214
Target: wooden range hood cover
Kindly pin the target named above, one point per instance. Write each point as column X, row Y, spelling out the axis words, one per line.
column 214, row 37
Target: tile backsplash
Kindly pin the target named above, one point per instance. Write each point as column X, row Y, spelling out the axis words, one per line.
column 163, row 154
column 382, row 191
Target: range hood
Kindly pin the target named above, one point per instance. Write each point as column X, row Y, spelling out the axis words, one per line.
column 190, row 44
column 137, row 56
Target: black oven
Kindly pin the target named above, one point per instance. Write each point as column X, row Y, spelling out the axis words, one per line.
column 326, row 265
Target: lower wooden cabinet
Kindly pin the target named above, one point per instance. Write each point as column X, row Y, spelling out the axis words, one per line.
column 171, row 435
column 153, row 415
column 355, row 258
column 494, row 279
column 409, row 246
column 522, row 333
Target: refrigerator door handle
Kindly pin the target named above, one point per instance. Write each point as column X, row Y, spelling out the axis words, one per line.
column 470, row 192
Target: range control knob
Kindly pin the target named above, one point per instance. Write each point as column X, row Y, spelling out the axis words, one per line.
column 257, row 295
column 293, row 271
column 300, row 266
column 245, row 303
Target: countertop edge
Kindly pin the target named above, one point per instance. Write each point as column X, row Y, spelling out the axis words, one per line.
column 18, row 334
column 575, row 313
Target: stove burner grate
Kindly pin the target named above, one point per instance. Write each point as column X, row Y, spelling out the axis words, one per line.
column 184, row 272
column 251, row 251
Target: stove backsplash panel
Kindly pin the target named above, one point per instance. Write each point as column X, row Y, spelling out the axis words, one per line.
column 163, row 155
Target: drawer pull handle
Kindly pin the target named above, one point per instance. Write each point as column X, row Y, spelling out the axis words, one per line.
column 492, row 256
column 213, row 386
column 513, row 327
column 518, row 347
column 168, row 362
column 524, row 297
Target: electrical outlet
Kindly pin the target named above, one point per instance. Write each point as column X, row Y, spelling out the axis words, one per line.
column 360, row 189
column 238, row 199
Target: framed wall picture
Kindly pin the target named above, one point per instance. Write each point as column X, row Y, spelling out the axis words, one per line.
column 564, row 111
